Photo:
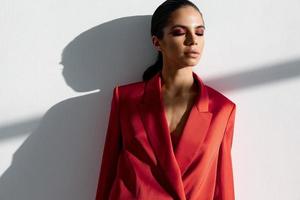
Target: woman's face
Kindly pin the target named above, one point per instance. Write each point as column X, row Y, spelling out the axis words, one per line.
column 183, row 33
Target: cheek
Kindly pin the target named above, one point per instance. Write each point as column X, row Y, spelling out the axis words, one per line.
column 175, row 46
column 201, row 43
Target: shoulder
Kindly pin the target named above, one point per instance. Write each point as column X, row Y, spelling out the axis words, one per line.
column 218, row 100
column 130, row 91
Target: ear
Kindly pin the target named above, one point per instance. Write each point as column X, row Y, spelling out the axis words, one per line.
column 156, row 43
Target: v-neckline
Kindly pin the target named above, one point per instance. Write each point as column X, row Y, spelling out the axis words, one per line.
column 170, row 134
column 165, row 121
column 173, row 165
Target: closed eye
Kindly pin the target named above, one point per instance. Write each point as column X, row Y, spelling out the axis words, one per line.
column 178, row 32
column 182, row 33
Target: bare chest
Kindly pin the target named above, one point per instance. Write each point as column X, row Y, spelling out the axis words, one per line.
column 177, row 111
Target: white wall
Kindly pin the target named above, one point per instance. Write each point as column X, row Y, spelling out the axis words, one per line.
column 61, row 59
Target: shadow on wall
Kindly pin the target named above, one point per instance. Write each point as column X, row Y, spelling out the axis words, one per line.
column 61, row 158
column 259, row 76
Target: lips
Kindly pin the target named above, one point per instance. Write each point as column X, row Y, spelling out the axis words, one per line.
column 192, row 52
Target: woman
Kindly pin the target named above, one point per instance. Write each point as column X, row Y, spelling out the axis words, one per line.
column 170, row 135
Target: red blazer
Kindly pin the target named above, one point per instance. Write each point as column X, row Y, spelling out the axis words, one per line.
column 139, row 161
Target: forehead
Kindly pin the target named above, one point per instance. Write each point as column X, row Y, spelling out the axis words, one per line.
column 187, row 16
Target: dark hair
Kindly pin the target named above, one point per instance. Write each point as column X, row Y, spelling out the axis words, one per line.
column 159, row 20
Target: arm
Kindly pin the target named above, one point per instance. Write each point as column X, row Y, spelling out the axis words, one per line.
column 224, row 189
column 111, row 151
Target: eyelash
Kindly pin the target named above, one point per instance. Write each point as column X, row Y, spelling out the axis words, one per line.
column 178, row 34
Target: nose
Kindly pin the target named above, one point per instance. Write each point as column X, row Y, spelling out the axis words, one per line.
column 191, row 39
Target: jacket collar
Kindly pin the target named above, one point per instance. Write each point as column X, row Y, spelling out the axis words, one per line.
column 173, row 163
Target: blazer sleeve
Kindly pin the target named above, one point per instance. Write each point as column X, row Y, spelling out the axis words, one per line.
column 224, row 188
column 111, row 150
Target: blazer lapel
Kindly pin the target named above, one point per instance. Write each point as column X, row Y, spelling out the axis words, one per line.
column 195, row 128
column 173, row 163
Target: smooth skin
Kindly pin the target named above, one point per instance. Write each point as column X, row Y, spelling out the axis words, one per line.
column 178, row 85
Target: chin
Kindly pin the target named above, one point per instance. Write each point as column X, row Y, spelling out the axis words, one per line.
column 188, row 65
column 191, row 62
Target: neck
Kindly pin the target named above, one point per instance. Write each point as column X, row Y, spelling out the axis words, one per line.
column 177, row 82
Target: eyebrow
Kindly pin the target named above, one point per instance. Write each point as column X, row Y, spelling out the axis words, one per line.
column 182, row 26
